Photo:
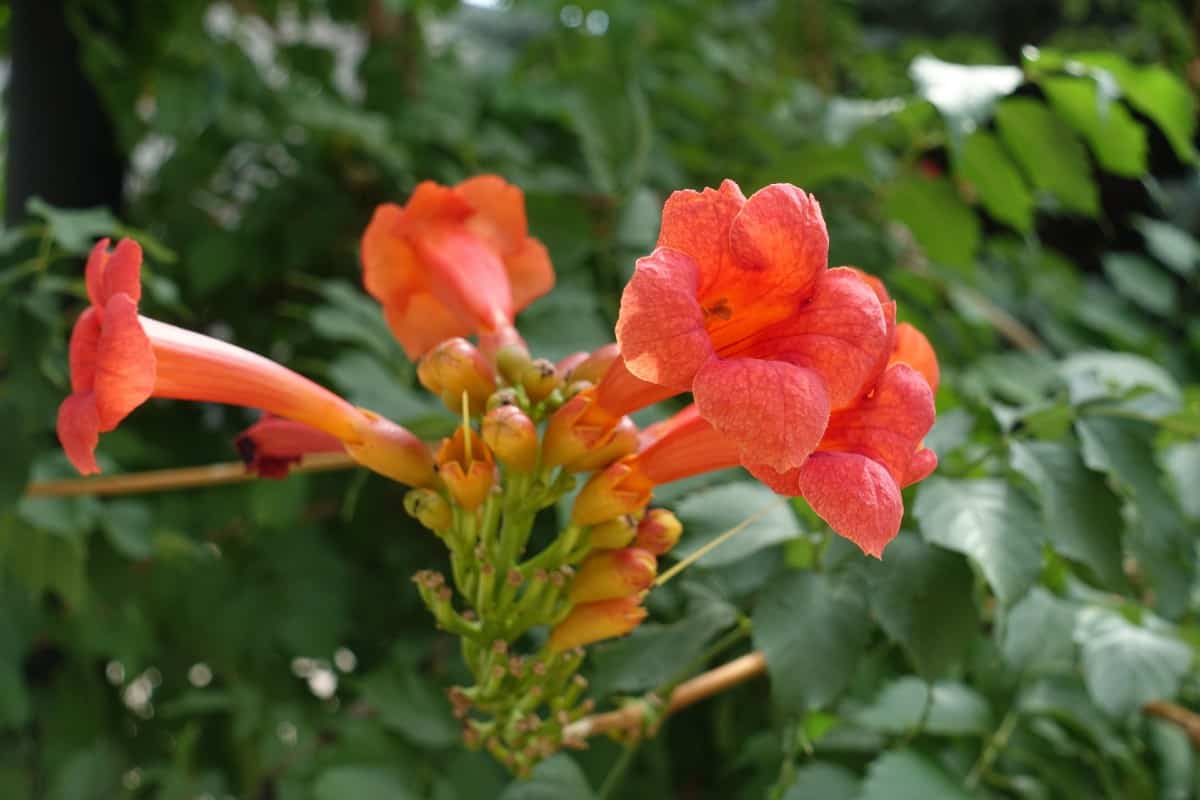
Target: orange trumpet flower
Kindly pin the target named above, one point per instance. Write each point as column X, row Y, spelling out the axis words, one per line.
column 120, row 359
column 454, row 261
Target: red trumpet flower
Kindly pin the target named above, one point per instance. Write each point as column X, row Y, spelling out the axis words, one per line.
column 737, row 306
column 120, row 359
column 454, row 261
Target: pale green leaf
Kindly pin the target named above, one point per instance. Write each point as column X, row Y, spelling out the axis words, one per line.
column 1050, row 154
column 709, row 513
column 1125, row 666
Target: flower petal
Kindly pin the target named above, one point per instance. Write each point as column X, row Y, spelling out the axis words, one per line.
column 530, row 273
column 272, row 445
column 661, row 325
column 697, row 223
column 780, row 234
column 856, row 496
column 79, row 431
column 466, row 275
column 125, row 363
column 914, row 349
column 93, row 272
column 774, row 411
column 499, row 211
column 85, row 342
column 840, row 332
column 923, row 463
column 887, row 425
column 123, row 272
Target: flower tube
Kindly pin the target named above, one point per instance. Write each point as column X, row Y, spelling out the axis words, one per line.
column 119, row 360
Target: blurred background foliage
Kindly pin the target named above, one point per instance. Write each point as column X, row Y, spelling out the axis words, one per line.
column 1022, row 174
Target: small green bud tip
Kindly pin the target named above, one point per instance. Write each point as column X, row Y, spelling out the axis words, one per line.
column 429, row 508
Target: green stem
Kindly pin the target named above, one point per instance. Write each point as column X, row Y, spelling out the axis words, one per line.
column 612, row 781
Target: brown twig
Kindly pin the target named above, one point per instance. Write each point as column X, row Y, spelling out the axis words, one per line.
column 182, row 478
column 1185, row 718
column 698, row 688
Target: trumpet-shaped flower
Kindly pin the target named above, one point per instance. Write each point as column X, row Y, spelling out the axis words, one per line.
column 272, row 445
column 120, row 359
column 454, row 261
column 737, row 305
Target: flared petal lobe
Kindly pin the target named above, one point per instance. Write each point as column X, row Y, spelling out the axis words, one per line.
column 914, row 349
column 855, row 495
column 697, row 224
column 125, row 363
column 78, row 430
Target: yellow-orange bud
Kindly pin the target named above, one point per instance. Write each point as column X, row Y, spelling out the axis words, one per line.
column 622, row 488
column 456, row 366
column 593, row 622
column 429, row 508
column 511, row 361
column 468, row 472
column 391, row 450
column 577, row 428
column 512, row 436
column 539, row 379
column 658, row 531
column 606, row 574
column 592, row 368
column 615, row 533
column 621, row 441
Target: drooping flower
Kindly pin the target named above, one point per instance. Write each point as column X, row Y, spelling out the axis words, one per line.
column 454, row 261
column 737, row 305
column 871, row 449
column 119, row 360
column 272, row 445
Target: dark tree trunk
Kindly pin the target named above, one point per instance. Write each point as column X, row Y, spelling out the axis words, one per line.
column 61, row 145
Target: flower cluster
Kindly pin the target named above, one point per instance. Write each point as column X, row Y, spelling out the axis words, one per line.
column 798, row 372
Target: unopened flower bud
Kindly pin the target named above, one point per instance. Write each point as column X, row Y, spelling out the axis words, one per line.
column 593, row 367
column 658, row 531
column 565, row 365
column 466, row 465
column 618, row 443
column 512, row 436
column 511, row 361
column 539, row 379
column 593, row 622
column 392, row 451
column 615, row 533
column 606, row 574
column 577, row 428
column 502, row 397
column 456, row 366
column 621, row 488
column 429, row 508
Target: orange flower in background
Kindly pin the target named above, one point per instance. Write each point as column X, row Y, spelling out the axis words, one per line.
column 737, row 305
column 120, row 359
column 871, row 449
column 454, row 261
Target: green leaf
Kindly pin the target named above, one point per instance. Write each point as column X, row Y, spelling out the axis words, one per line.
column 989, row 521
column 1051, row 155
column 923, row 598
column 1036, row 633
column 942, row 224
column 963, row 94
column 908, row 775
column 1082, row 516
column 1157, row 93
column 1171, row 245
column 709, row 513
column 127, row 524
column 813, row 629
column 1142, row 281
column 411, row 706
column 1104, row 374
column 1118, row 141
column 362, row 782
column 1125, row 666
column 92, row 773
column 74, row 230
column 1001, row 190
column 1182, row 462
column 908, row 704
column 367, row 381
column 1124, row 449
column 555, row 778
column 823, row 781
column 353, row 317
